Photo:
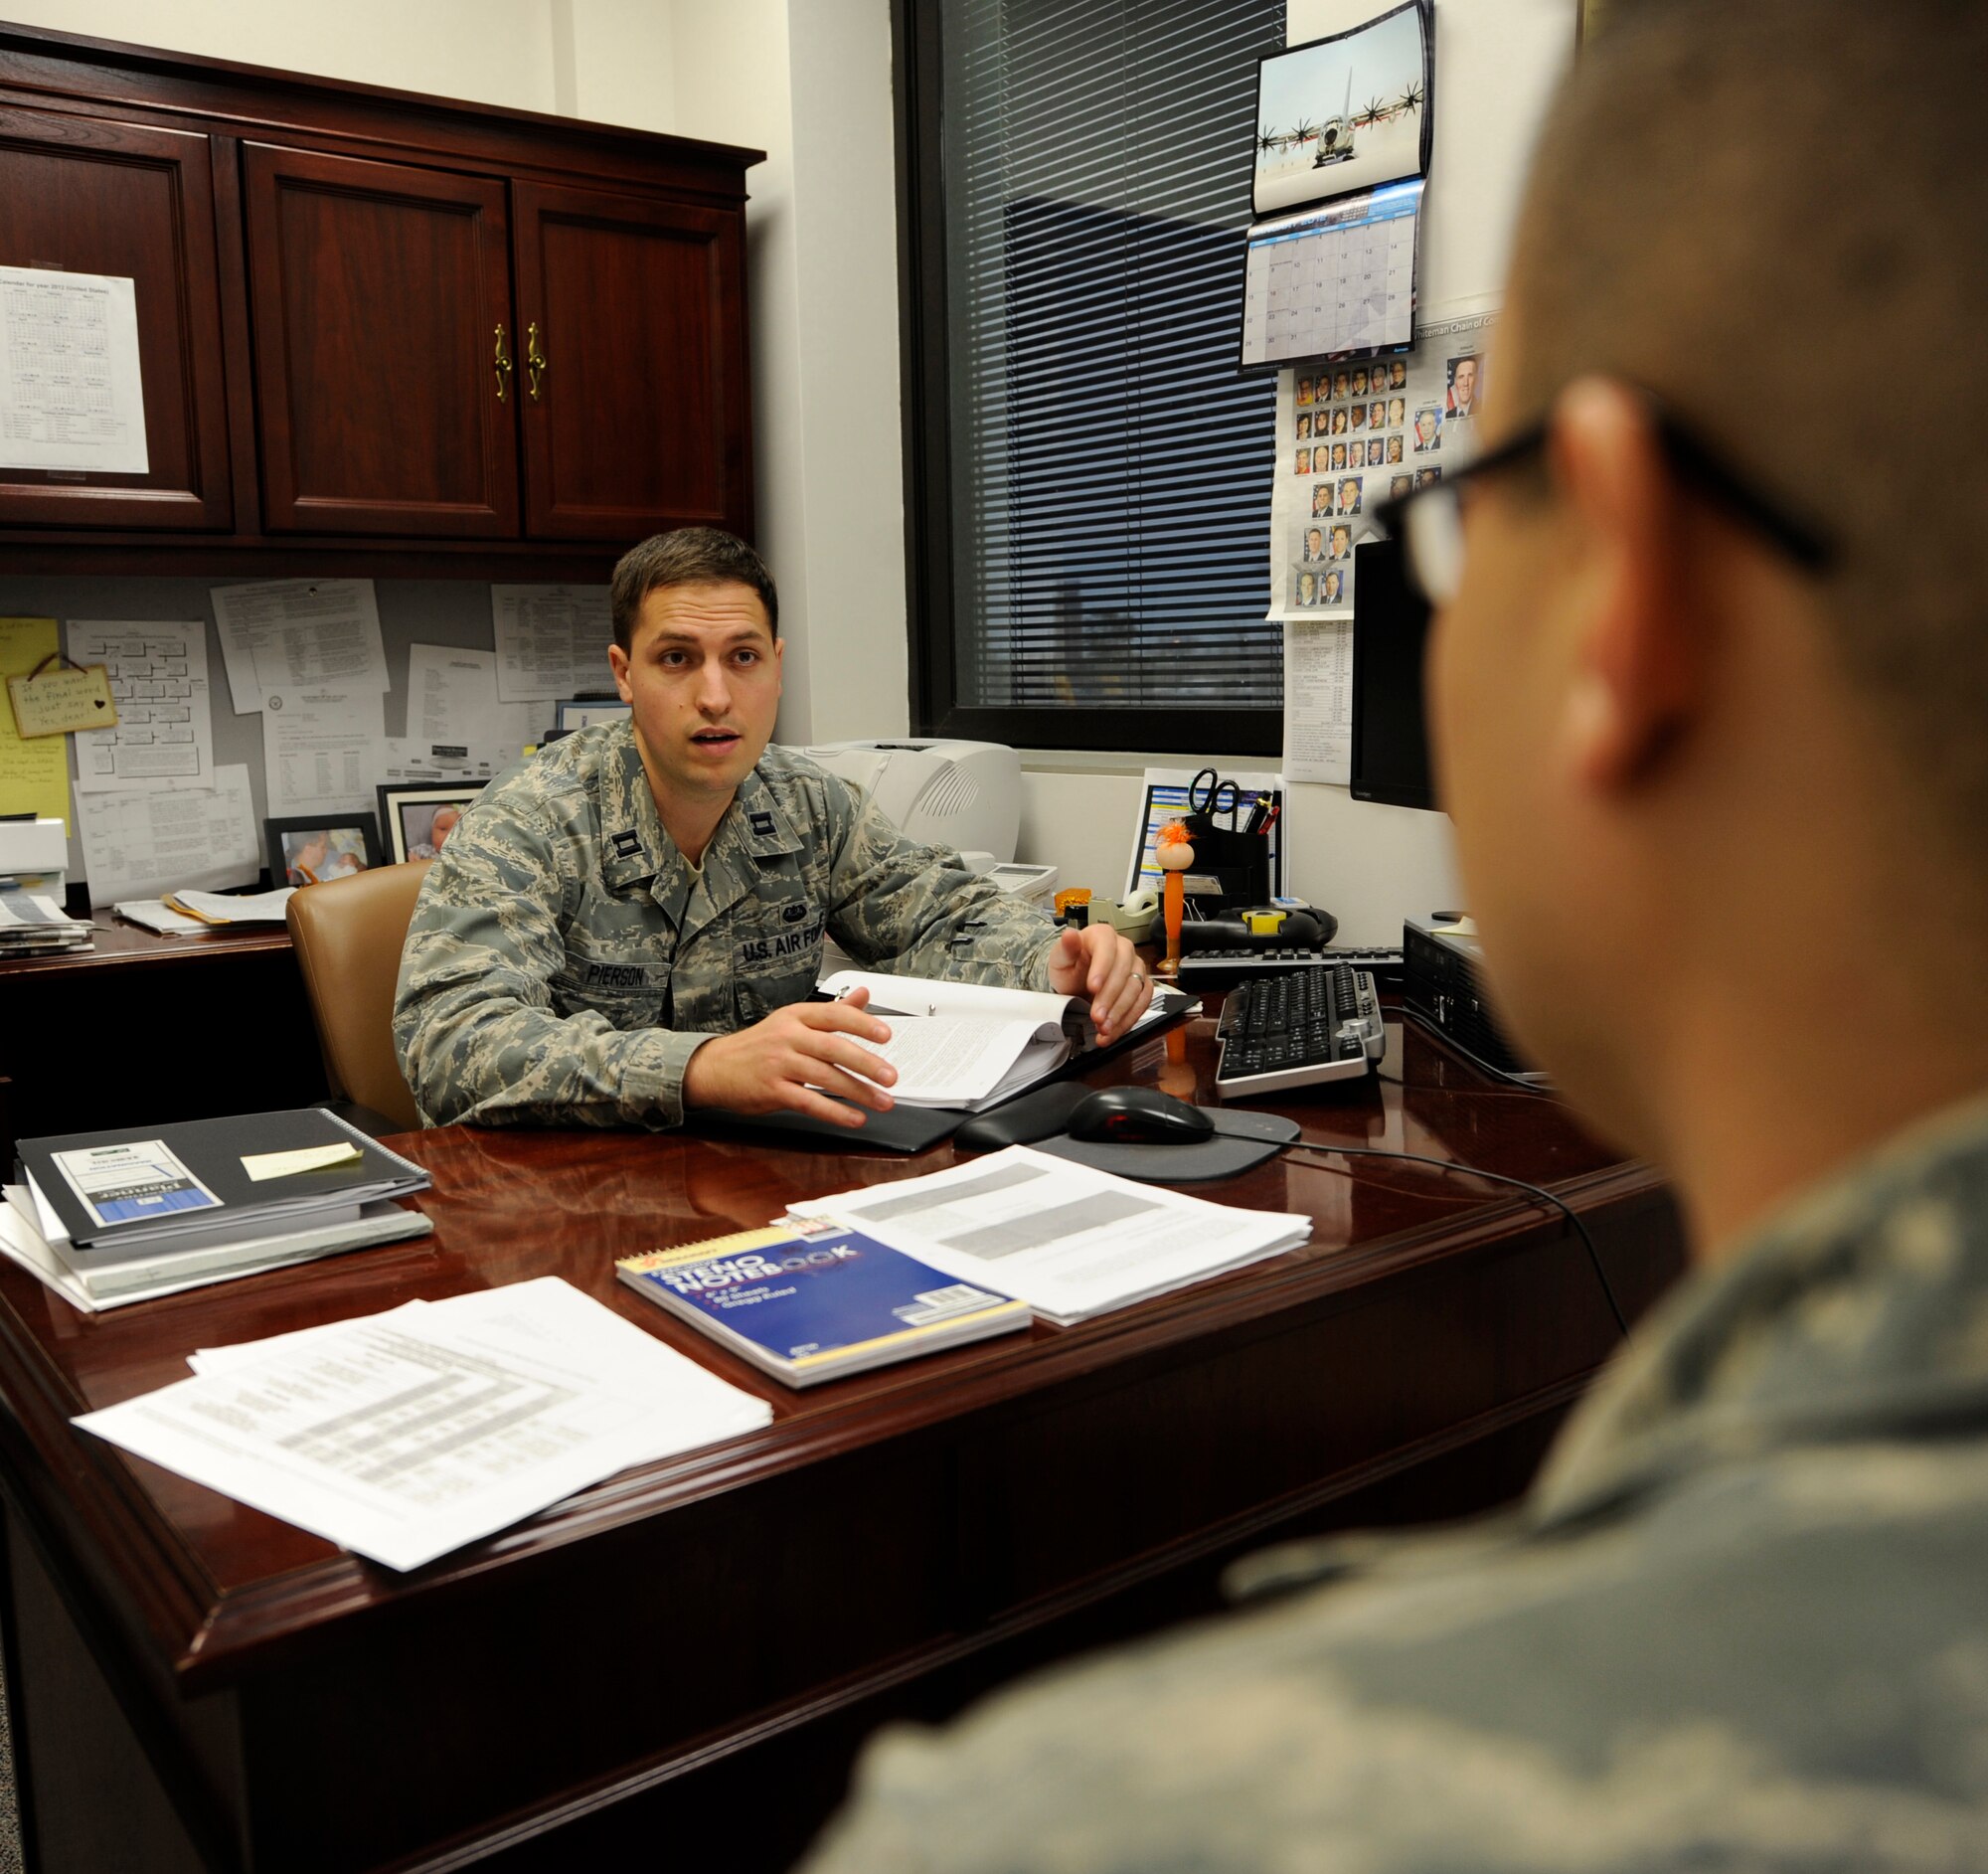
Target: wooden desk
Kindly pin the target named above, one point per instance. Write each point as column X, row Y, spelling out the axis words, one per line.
column 689, row 1653
column 185, row 1027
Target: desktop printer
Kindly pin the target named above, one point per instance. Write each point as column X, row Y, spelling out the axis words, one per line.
column 962, row 794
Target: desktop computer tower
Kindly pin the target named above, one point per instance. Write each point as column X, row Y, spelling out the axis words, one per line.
column 1441, row 972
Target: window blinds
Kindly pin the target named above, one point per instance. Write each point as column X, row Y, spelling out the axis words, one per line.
column 1110, row 472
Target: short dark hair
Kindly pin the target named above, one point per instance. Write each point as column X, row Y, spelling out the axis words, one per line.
column 1708, row 188
column 692, row 556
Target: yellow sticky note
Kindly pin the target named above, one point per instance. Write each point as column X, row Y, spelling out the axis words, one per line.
column 286, row 1165
column 34, row 774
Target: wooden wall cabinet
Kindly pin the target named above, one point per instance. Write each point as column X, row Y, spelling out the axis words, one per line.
column 379, row 293
column 412, row 336
column 91, row 195
column 628, row 301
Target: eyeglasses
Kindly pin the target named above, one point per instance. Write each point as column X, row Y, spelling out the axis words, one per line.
column 1428, row 521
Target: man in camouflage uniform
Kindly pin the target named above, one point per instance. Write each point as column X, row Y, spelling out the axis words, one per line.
column 631, row 925
column 1714, row 747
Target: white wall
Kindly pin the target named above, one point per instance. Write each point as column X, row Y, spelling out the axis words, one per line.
column 809, row 83
column 493, row 52
column 850, row 437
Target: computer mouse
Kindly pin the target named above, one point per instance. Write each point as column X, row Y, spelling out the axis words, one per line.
column 1137, row 1116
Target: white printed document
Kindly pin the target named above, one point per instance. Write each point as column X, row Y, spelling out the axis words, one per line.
column 157, row 674
column 405, row 1435
column 138, row 1179
column 972, row 1043
column 452, row 702
column 70, row 393
column 1318, row 699
column 968, row 1060
column 407, row 762
column 552, row 641
column 1068, row 1240
column 295, row 635
column 323, row 750
column 145, row 845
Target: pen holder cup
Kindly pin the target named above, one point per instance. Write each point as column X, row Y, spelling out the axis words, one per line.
column 1240, row 864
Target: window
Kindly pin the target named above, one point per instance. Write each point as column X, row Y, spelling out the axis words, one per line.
column 1087, row 477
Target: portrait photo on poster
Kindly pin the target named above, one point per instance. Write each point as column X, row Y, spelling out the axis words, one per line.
column 310, row 848
column 417, row 821
column 1465, row 377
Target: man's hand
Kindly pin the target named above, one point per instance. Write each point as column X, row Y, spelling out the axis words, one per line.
column 769, row 1066
column 1101, row 965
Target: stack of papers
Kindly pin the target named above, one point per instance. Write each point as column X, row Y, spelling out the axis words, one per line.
column 1068, row 1240
column 227, row 908
column 528, row 1394
column 32, row 922
column 154, row 914
column 93, row 1282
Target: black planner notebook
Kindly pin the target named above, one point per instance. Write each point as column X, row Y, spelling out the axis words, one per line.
column 149, row 1187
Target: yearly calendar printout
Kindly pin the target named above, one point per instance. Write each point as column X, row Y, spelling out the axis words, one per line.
column 71, row 398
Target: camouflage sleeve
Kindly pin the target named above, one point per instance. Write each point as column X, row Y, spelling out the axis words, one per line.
column 918, row 910
column 474, row 1025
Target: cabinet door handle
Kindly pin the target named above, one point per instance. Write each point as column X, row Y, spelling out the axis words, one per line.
column 501, row 363
column 536, row 362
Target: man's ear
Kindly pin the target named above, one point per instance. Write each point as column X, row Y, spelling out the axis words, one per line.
column 617, row 662
column 1637, row 669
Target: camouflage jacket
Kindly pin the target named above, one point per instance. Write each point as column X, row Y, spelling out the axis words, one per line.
column 564, row 961
column 1741, row 1622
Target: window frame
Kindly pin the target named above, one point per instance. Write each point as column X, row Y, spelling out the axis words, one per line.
column 926, row 417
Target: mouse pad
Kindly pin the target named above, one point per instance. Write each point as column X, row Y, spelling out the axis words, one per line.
column 1241, row 1142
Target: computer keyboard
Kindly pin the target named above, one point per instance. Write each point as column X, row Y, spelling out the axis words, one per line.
column 1218, row 969
column 1298, row 1027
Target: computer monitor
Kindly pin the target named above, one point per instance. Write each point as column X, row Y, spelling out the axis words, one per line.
column 1391, row 621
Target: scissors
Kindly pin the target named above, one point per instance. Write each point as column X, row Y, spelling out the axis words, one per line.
column 1210, row 802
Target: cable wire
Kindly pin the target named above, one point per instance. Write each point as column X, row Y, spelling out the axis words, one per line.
column 1491, row 1177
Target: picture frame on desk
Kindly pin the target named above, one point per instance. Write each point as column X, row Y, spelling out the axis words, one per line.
column 417, row 820
column 308, row 848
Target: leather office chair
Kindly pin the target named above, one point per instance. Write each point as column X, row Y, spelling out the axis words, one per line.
column 348, row 934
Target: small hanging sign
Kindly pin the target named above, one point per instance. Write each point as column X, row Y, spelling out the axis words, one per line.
column 61, row 700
